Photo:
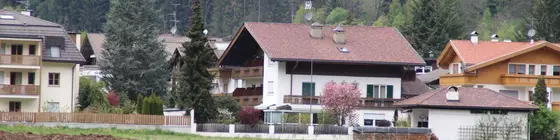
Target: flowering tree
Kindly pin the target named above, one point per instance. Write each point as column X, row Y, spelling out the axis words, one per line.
column 340, row 99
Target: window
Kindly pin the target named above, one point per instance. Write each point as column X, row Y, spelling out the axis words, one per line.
column 556, row 70
column 370, row 119
column 55, row 51
column 511, row 68
column 379, row 91
column 455, row 68
column 418, row 69
column 530, row 95
column 270, row 87
column 532, row 70
column 53, row 107
column 500, row 112
column 422, row 69
column 368, row 122
column 521, row 69
column 31, row 78
column 543, row 69
column 478, row 112
column 32, row 49
column 15, row 106
column 7, row 17
column 54, row 79
column 308, row 89
column 427, row 69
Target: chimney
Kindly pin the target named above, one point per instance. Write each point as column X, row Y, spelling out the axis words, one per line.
column 494, row 38
column 474, row 37
column 452, row 94
column 27, row 13
column 316, row 30
column 338, row 35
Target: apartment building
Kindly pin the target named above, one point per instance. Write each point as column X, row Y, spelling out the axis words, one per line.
column 512, row 68
column 284, row 67
column 38, row 65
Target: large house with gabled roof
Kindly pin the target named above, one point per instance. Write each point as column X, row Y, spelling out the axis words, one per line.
column 38, row 65
column 287, row 66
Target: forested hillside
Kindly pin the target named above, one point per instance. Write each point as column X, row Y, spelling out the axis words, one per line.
column 453, row 19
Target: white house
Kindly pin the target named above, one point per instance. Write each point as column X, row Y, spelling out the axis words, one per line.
column 38, row 65
column 452, row 112
column 289, row 64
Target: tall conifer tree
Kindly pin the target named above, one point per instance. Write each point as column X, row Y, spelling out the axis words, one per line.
column 196, row 82
column 134, row 61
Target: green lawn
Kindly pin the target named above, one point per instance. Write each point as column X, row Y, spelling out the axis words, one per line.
column 135, row 134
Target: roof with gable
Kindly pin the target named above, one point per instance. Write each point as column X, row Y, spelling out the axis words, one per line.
column 23, row 26
column 366, row 44
column 469, row 98
column 485, row 53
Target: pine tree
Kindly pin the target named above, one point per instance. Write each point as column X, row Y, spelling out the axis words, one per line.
column 432, row 23
column 134, row 61
column 196, row 82
column 540, row 95
column 486, row 27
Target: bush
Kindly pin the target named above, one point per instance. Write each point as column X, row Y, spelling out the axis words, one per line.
column 152, row 105
column 91, row 93
column 225, row 117
column 383, row 123
column 128, row 107
column 326, row 118
column 543, row 122
column 139, row 101
column 227, row 102
column 403, row 122
column 249, row 115
column 113, row 98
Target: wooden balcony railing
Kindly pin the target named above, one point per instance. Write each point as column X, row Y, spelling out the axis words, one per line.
column 457, row 79
column 247, row 72
column 556, row 106
column 19, row 90
column 29, row 60
column 529, row 80
column 248, row 100
column 364, row 102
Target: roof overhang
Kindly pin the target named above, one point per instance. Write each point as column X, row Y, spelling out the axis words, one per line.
column 447, row 54
column 535, row 46
column 21, row 39
column 348, row 62
column 411, row 106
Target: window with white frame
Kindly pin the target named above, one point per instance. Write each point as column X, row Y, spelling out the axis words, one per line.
column 532, row 69
column 422, row 69
column 456, row 68
column 379, row 91
column 370, row 119
column 53, row 107
column 543, row 69
column 511, row 93
column 270, row 87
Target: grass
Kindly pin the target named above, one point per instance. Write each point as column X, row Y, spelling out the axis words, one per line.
column 122, row 133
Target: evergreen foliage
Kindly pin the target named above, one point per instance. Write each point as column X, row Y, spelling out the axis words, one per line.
column 540, row 95
column 152, row 105
column 227, row 102
column 543, row 124
column 139, row 105
column 337, row 16
column 196, row 82
column 432, row 23
column 543, row 15
column 91, row 93
column 134, row 61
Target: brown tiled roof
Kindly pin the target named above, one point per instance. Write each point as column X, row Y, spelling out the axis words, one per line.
column 413, row 88
column 469, row 98
column 486, row 50
column 432, row 76
column 380, row 45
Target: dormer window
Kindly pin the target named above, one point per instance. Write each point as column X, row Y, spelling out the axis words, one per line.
column 456, row 68
column 55, row 51
column 7, row 17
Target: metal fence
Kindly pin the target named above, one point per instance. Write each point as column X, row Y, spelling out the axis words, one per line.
column 490, row 133
column 251, row 128
column 331, row 129
column 212, row 127
column 291, row 129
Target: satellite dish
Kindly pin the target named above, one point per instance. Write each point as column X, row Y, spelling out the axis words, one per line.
column 308, row 16
column 174, row 30
column 531, row 32
column 205, row 32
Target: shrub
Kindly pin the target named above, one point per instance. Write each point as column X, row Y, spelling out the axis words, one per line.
column 403, row 122
column 91, row 93
column 139, row 101
column 227, row 102
column 249, row 115
column 383, row 123
column 128, row 107
column 326, row 118
column 113, row 98
column 225, row 117
column 152, row 105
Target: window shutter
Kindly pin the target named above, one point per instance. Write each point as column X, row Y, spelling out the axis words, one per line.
column 389, row 91
column 312, row 89
column 369, row 91
column 305, row 89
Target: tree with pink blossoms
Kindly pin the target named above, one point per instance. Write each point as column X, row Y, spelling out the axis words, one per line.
column 341, row 100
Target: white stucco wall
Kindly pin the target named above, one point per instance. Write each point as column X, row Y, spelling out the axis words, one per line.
column 62, row 93
column 446, row 123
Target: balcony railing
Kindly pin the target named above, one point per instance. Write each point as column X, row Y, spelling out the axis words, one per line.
column 29, row 60
column 529, row 80
column 364, row 102
column 247, row 72
column 457, row 79
column 19, row 90
column 248, row 100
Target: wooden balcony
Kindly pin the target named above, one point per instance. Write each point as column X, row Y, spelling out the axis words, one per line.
column 28, row 60
column 26, row 90
column 247, row 72
column 248, row 100
column 556, row 106
column 457, row 79
column 364, row 102
column 529, row 80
